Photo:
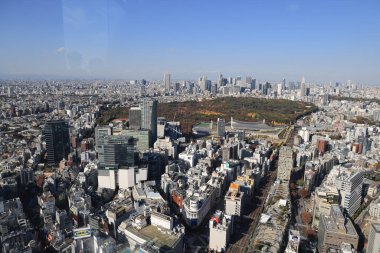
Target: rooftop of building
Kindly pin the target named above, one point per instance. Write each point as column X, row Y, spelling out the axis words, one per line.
column 337, row 223
column 294, row 239
column 234, row 195
column 220, row 220
column 376, row 227
column 151, row 232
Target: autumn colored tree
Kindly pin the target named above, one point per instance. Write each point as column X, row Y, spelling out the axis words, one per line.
column 306, row 217
column 304, row 193
column 310, row 233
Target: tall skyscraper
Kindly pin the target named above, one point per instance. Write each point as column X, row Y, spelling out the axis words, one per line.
column 248, row 81
column 374, row 238
column 10, row 91
column 221, row 127
column 149, row 117
column 220, row 81
column 349, row 185
column 203, row 84
column 303, row 87
column 116, row 150
column 167, row 82
column 100, row 132
column 57, row 141
column 253, row 86
column 177, row 87
column 135, row 118
column 279, row 88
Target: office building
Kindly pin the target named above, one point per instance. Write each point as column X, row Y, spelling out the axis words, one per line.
column 230, row 151
column 279, row 88
column 159, row 236
column 46, row 202
column 334, row 230
column 203, row 83
column 107, row 178
column 130, row 176
column 303, row 87
column 220, row 231
column 349, row 184
column 116, row 151
column 305, row 134
column 135, row 118
column 57, row 141
column 100, row 132
column 374, row 238
column 122, row 177
column 161, row 125
column 169, row 146
column 374, row 209
column 324, row 197
column 26, row 176
column 220, row 127
column 234, row 202
column 167, row 82
column 254, row 84
column 149, row 117
column 142, row 138
column 220, row 81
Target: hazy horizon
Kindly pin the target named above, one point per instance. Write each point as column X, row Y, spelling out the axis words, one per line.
column 269, row 40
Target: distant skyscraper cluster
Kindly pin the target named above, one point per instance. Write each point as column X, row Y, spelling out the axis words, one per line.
column 238, row 85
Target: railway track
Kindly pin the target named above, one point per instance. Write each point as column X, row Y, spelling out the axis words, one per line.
column 242, row 243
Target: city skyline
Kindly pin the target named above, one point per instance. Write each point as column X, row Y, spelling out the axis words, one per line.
column 107, row 166
column 324, row 41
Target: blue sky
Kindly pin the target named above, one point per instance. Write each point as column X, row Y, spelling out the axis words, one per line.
column 325, row 40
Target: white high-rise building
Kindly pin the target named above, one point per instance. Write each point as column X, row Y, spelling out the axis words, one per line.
column 107, row 178
column 234, row 202
column 304, row 133
column 349, row 184
column 167, row 82
column 303, row 87
column 374, row 238
column 220, row 231
column 279, row 89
